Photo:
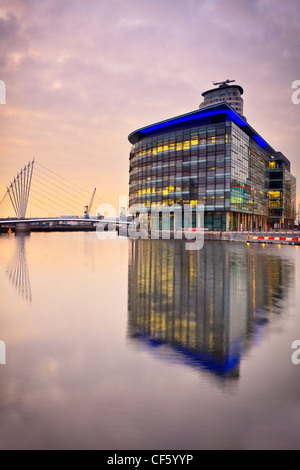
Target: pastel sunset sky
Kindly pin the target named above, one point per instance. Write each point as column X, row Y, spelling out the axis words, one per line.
column 82, row 75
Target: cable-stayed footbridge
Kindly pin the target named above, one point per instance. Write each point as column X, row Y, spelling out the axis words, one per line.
column 58, row 200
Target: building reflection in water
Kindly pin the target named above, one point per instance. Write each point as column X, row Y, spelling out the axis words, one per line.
column 207, row 305
column 17, row 271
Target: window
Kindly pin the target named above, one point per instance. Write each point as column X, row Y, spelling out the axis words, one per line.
column 275, row 194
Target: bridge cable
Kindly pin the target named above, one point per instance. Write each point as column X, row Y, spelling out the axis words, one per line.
column 56, row 192
column 70, row 182
column 41, row 195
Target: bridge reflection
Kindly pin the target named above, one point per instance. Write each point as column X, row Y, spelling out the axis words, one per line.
column 17, row 271
column 207, row 306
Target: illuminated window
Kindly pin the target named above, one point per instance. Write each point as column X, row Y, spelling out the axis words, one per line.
column 272, row 164
column 179, row 146
column 274, row 194
column 275, row 204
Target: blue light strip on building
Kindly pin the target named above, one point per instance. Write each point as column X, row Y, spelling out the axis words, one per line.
column 188, row 117
column 261, row 142
column 214, row 110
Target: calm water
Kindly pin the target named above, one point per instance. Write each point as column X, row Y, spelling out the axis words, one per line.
column 116, row 344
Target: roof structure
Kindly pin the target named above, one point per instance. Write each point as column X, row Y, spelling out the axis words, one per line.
column 201, row 116
column 225, row 87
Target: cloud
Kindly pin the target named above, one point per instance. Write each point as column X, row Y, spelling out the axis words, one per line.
column 82, row 75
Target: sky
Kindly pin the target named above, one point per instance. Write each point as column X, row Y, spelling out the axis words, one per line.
column 81, row 76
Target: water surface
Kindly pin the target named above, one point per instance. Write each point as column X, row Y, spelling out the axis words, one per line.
column 120, row 344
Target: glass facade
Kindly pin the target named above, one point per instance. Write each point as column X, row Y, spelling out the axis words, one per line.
column 215, row 164
column 249, row 180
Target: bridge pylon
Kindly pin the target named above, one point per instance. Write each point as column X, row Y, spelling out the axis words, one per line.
column 18, row 190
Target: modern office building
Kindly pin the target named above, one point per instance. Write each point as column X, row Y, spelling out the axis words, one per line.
column 210, row 157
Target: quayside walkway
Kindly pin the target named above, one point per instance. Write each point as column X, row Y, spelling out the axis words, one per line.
column 280, row 238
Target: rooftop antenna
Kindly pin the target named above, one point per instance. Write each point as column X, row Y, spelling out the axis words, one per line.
column 224, row 82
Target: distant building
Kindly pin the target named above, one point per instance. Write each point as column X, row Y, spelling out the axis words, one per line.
column 122, row 213
column 214, row 158
column 282, row 193
column 232, row 94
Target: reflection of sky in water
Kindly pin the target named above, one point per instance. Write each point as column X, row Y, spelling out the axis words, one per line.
column 208, row 305
column 118, row 346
